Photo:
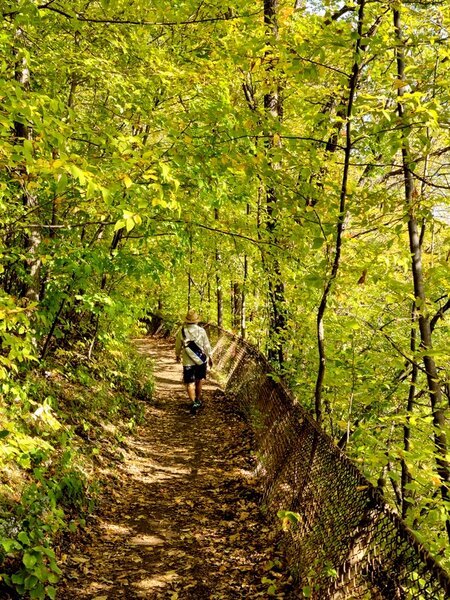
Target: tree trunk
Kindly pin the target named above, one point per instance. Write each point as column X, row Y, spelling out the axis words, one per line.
column 244, row 298
column 341, row 217
column 189, row 293
column 406, row 477
column 23, row 135
column 237, row 306
column 219, row 291
column 273, row 108
column 434, row 384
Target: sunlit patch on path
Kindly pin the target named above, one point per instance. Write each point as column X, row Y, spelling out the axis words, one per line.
column 179, row 518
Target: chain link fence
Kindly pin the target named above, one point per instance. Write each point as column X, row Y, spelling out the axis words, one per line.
column 342, row 541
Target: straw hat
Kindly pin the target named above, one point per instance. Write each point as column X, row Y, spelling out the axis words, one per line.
column 192, row 317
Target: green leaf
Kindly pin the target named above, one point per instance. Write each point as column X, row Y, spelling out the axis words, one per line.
column 165, row 170
column 31, row 582
column 28, row 150
column 121, row 223
column 38, row 592
column 128, row 182
column 78, row 173
column 41, row 572
column 45, row 550
column 293, row 517
column 54, row 567
column 9, row 545
column 52, row 578
column 29, row 560
column 23, row 537
column 62, row 183
column 51, row 592
column 18, row 578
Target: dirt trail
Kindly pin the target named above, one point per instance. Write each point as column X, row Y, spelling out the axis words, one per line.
column 181, row 519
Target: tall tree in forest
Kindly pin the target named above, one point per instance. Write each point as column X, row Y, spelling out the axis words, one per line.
column 273, row 106
column 421, row 304
column 352, row 86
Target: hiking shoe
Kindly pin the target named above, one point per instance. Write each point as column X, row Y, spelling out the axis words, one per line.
column 196, row 406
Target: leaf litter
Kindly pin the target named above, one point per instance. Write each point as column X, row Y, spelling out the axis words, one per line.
column 179, row 515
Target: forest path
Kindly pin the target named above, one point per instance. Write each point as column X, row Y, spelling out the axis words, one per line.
column 179, row 518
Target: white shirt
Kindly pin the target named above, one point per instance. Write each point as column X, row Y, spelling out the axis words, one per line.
column 194, row 332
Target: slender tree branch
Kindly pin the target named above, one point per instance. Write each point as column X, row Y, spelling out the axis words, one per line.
column 180, row 221
column 69, row 226
column 340, row 223
column 339, row 13
column 426, row 181
column 396, row 347
column 227, row 16
column 439, row 314
column 319, row 64
column 282, row 137
column 221, row 231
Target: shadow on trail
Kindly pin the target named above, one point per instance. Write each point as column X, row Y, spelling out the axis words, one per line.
column 179, row 519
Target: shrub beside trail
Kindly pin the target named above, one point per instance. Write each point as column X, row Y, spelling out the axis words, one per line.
column 58, row 425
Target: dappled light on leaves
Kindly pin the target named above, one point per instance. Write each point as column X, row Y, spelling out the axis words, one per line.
column 180, row 516
column 281, row 166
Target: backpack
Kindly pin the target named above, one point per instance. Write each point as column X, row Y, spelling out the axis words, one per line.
column 193, row 350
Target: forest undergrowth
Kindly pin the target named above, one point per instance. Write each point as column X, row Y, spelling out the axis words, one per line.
column 59, row 425
column 132, row 496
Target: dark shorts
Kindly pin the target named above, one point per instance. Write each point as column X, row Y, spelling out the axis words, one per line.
column 192, row 373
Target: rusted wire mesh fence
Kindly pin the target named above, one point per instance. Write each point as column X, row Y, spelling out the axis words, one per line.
column 344, row 543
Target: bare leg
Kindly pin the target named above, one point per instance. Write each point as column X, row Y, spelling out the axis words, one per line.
column 198, row 388
column 191, row 390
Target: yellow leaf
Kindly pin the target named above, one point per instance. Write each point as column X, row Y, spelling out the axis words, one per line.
column 164, row 170
column 120, row 224
column 78, row 173
column 80, row 559
column 91, row 189
column 399, row 83
column 127, row 181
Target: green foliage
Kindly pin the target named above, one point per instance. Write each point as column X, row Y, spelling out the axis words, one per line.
column 16, row 335
column 135, row 174
column 126, row 371
column 39, row 572
column 28, row 528
column 47, row 454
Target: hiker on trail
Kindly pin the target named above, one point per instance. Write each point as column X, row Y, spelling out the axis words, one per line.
column 192, row 347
